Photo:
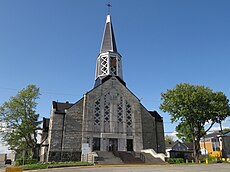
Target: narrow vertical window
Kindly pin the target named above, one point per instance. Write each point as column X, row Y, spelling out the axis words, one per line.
column 97, row 117
column 107, row 113
column 120, row 114
column 104, row 65
column 128, row 119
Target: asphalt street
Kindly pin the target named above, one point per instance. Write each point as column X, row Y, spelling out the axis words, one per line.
column 2, row 164
column 166, row 168
column 141, row 168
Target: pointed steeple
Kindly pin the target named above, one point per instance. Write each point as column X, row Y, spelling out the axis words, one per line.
column 108, row 41
column 109, row 61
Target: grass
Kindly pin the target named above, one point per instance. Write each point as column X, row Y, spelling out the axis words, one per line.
column 35, row 166
column 55, row 165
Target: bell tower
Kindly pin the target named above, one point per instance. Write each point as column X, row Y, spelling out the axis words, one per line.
column 109, row 60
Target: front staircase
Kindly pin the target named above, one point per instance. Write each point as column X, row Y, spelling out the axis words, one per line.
column 122, row 157
column 128, row 157
column 105, row 157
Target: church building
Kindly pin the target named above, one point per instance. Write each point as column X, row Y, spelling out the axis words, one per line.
column 107, row 118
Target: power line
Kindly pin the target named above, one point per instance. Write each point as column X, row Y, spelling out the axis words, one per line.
column 44, row 92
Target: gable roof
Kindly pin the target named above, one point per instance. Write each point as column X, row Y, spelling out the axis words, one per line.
column 99, row 81
column 188, row 145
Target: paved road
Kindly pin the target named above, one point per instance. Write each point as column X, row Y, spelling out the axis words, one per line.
column 2, row 164
column 166, row 168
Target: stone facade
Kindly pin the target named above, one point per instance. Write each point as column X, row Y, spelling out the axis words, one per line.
column 108, row 118
column 65, row 132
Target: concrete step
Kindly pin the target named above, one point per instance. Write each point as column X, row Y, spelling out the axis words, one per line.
column 129, row 158
column 105, row 157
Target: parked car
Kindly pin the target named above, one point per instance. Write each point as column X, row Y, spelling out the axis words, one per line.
column 8, row 161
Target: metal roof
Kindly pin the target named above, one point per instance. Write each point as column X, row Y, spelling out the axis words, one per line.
column 108, row 41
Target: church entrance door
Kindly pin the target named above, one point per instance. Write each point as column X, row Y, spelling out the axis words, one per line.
column 129, row 144
column 96, row 144
column 113, row 145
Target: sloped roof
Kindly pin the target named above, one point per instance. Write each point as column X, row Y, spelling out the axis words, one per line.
column 188, row 145
column 156, row 115
column 108, row 41
column 60, row 107
column 216, row 134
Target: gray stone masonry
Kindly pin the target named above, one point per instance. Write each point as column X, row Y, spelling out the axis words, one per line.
column 55, row 131
column 75, row 126
column 149, row 130
column 112, row 84
column 65, row 140
column 160, row 137
column 72, row 134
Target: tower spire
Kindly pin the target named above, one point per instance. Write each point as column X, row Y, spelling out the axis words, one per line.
column 109, row 7
column 109, row 60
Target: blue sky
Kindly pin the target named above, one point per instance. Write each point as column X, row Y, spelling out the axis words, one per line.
column 54, row 44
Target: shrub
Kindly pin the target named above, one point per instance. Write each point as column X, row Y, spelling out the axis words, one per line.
column 35, row 166
column 26, row 161
column 175, row 160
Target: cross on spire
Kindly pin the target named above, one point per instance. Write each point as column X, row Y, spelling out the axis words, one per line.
column 109, row 7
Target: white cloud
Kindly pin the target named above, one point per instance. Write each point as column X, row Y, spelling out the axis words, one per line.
column 217, row 128
column 39, row 136
column 173, row 135
column 3, row 148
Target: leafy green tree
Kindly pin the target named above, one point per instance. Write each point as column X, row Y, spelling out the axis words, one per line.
column 169, row 139
column 194, row 106
column 225, row 130
column 21, row 121
column 183, row 132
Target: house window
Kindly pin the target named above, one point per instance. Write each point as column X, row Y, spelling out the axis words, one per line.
column 215, row 144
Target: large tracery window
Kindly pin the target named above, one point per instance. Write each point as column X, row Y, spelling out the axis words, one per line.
column 128, row 119
column 107, row 113
column 97, row 117
column 120, row 114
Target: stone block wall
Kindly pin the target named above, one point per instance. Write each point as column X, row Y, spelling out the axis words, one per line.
column 72, row 134
column 65, row 134
column 148, row 130
column 71, row 156
column 55, row 136
column 114, row 86
column 160, row 137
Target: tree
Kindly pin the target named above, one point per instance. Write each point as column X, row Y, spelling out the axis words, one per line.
column 225, row 130
column 169, row 139
column 194, row 106
column 21, row 120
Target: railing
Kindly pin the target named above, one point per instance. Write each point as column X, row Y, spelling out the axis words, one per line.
column 154, row 154
column 142, row 157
